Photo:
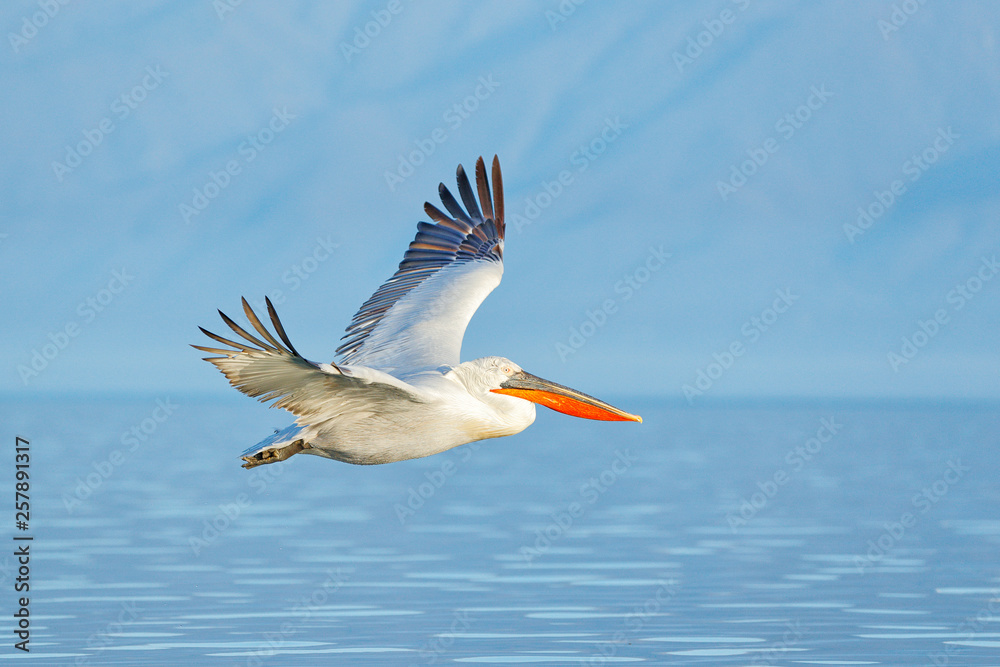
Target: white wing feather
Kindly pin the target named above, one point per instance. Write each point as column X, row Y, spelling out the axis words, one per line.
column 413, row 323
column 424, row 330
column 274, row 371
column 416, row 320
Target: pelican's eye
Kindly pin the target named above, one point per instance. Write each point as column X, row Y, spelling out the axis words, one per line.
column 507, row 370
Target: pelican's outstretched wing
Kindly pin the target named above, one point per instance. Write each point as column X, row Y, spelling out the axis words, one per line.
column 273, row 370
column 416, row 320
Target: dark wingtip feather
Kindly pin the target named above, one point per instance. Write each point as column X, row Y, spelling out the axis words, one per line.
column 434, row 213
column 213, row 350
column 437, row 215
column 498, row 195
column 278, row 327
column 261, row 329
column 483, row 185
column 468, row 196
column 226, row 341
column 452, row 205
column 242, row 332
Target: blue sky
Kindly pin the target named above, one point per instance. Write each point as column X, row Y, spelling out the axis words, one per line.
column 684, row 186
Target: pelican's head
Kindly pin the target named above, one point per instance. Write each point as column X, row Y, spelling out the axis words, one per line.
column 502, row 376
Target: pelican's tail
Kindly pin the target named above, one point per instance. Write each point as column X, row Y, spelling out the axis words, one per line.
column 276, row 447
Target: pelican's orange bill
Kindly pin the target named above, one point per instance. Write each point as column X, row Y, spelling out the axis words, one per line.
column 562, row 399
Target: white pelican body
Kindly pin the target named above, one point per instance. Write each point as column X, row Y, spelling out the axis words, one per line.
column 398, row 391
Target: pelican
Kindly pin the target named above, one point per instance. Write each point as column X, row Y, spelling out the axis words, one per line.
column 398, row 390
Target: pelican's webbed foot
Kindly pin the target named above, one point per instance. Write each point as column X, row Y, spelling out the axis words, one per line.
column 274, row 454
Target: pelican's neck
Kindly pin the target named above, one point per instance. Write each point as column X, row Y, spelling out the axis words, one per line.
column 497, row 414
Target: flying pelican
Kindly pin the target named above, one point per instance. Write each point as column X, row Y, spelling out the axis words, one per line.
column 398, row 390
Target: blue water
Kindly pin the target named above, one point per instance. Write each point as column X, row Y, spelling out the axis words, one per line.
column 723, row 535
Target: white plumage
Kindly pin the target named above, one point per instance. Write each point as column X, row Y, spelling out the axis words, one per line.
column 399, row 390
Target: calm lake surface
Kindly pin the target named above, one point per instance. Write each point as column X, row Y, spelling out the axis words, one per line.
column 821, row 533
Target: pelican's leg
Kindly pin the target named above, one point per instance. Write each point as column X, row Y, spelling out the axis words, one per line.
column 274, row 454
